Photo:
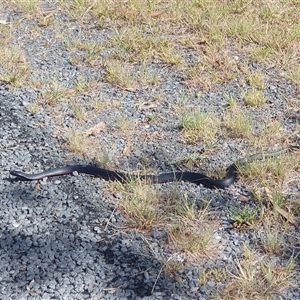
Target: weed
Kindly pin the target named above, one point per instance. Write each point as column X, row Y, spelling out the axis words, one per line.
column 246, row 215
column 272, row 242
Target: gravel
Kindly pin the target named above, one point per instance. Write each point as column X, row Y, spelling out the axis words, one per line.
column 59, row 237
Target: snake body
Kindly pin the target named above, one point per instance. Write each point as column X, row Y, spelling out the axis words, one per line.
column 197, row 178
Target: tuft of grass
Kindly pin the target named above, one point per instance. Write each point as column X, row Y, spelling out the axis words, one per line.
column 231, row 101
column 103, row 160
column 270, row 171
column 216, row 274
column 82, row 85
column 190, row 239
column 78, row 111
column 256, row 80
column 272, row 242
column 259, row 279
column 14, row 67
column 254, row 97
column 119, row 74
column 238, row 123
column 269, row 132
column 199, row 125
column 33, row 108
column 189, row 231
column 139, row 203
column 52, row 94
column 125, row 124
column 261, row 53
column 97, row 104
column 77, row 141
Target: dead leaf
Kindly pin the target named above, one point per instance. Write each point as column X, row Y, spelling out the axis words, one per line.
column 130, row 89
column 96, row 129
column 155, row 14
column 243, row 198
column 149, row 106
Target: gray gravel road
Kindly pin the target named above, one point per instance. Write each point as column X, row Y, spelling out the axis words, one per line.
column 62, row 238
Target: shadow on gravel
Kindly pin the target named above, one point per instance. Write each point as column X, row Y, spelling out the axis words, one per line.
column 42, row 251
column 40, row 263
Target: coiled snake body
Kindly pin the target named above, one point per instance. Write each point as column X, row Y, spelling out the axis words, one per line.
column 197, row 178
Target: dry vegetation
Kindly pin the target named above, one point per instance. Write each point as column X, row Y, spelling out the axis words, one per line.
column 223, row 36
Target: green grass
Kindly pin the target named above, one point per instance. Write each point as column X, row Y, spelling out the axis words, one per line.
column 200, row 125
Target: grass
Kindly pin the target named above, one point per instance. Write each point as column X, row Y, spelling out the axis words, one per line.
column 14, row 67
column 139, row 203
column 200, row 125
column 270, row 171
column 77, row 141
column 189, row 231
column 258, row 278
column 78, row 111
column 28, row 6
column 52, row 93
column 254, row 97
column 238, row 123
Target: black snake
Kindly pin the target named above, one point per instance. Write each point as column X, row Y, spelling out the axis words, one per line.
column 197, row 178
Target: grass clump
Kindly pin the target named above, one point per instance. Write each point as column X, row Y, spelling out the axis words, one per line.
column 198, row 125
column 189, row 230
column 78, row 111
column 238, row 123
column 14, row 67
column 119, row 74
column 139, row 203
column 254, row 97
column 52, row 94
column 29, row 6
column 77, row 142
column 256, row 80
column 258, row 278
column 271, row 171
